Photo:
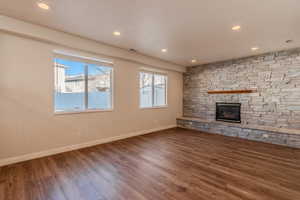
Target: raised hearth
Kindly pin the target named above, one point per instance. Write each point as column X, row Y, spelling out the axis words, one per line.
column 280, row 136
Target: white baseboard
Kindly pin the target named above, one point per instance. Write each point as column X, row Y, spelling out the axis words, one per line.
column 50, row 152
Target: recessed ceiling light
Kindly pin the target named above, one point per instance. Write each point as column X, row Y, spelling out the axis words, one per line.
column 193, row 60
column 116, row 33
column 43, row 5
column 164, row 50
column 236, row 28
column 254, row 48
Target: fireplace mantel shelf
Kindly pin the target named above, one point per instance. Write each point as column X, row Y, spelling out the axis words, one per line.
column 258, row 127
column 231, row 91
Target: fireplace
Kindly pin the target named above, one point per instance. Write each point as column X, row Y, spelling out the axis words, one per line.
column 228, row 112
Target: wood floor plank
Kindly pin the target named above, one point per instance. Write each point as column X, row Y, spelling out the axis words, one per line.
column 174, row 164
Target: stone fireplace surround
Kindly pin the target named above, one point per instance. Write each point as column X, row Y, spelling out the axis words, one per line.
column 271, row 114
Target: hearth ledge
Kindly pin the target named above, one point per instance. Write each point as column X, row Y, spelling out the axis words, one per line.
column 261, row 128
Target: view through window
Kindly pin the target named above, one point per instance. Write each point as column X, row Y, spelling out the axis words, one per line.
column 153, row 90
column 82, row 86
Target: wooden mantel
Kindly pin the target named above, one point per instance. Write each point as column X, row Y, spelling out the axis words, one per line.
column 231, row 91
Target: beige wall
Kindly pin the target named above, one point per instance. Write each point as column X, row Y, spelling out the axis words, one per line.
column 41, row 33
column 27, row 121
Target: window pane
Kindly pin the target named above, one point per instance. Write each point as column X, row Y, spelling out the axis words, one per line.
column 69, row 85
column 159, row 90
column 99, row 87
column 145, row 89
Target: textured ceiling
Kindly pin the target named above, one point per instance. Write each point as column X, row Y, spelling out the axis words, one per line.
column 189, row 29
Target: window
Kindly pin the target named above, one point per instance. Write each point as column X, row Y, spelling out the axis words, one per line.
column 153, row 90
column 82, row 85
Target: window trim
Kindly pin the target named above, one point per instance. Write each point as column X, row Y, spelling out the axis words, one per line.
column 166, row 89
column 81, row 112
column 84, row 60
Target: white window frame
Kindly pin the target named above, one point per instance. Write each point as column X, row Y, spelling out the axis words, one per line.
column 86, row 61
column 166, row 90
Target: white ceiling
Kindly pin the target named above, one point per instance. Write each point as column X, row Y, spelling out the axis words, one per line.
column 189, row 29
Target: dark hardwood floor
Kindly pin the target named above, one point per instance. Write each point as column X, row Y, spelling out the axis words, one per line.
column 172, row 164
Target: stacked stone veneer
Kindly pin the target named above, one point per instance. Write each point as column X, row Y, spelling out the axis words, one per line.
column 256, row 134
column 275, row 76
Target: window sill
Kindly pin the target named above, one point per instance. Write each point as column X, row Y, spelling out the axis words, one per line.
column 155, row 107
column 80, row 112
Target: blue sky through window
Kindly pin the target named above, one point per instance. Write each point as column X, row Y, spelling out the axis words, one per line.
column 77, row 68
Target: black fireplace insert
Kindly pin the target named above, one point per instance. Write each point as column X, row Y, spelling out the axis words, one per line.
column 228, row 112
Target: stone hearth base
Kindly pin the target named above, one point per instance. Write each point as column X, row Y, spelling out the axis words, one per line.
column 286, row 137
